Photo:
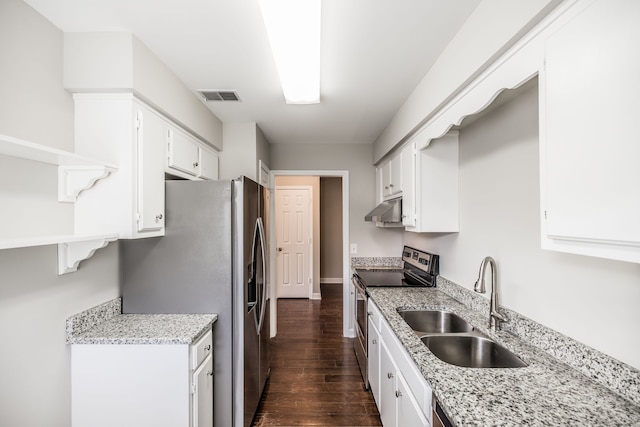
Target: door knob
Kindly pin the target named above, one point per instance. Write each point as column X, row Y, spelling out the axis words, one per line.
column 279, row 249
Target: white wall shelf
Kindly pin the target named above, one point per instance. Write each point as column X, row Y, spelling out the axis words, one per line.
column 75, row 173
column 72, row 249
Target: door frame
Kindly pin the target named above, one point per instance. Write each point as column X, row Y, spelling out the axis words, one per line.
column 310, row 230
column 347, row 298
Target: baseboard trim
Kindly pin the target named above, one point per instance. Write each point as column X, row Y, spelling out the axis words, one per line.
column 316, row 295
column 336, row 280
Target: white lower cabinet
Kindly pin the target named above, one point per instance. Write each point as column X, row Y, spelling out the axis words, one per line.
column 142, row 385
column 373, row 359
column 403, row 396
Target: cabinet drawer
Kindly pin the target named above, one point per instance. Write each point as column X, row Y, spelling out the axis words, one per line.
column 201, row 349
column 374, row 313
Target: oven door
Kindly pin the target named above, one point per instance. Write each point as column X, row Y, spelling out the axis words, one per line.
column 360, row 342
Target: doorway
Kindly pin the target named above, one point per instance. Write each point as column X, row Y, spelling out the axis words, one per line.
column 336, row 200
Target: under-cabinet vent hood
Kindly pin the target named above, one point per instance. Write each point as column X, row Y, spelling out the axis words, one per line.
column 387, row 214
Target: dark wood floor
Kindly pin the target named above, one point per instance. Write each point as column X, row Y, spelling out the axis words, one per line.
column 315, row 380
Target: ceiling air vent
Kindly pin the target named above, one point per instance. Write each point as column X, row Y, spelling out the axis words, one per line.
column 219, row 95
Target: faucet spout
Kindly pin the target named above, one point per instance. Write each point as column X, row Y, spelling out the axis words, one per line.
column 495, row 316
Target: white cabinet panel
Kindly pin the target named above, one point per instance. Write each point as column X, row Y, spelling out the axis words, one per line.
column 123, row 130
column 435, row 202
column 589, row 105
column 388, row 388
column 409, row 411
column 183, row 152
column 203, row 394
column 150, row 200
column 408, row 161
column 208, row 164
column 373, row 360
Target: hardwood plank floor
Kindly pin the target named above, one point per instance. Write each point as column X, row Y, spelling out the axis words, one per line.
column 315, row 379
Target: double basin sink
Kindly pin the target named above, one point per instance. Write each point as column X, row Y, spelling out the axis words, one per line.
column 453, row 340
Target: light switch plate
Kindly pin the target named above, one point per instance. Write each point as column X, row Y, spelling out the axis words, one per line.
column 354, row 248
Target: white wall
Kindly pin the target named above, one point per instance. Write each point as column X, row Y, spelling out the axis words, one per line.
column 34, row 300
column 594, row 301
column 356, row 158
column 97, row 62
column 244, row 146
column 490, row 30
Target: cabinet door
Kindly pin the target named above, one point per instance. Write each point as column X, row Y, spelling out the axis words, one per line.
column 396, row 175
column 203, row 394
column 409, row 412
column 388, row 372
column 408, row 163
column 373, row 360
column 590, row 98
column 183, row 152
column 150, row 175
column 208, row 164
column 385, row 179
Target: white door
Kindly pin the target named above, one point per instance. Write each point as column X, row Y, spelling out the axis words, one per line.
column 293, row 242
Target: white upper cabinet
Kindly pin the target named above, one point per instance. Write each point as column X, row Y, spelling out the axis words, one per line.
column 208, row 163
column 390, row 175
column 589, row 144
column 182, row 151
column 408, row 161
column 122, row 130
column 432, row 203
column 187, row 157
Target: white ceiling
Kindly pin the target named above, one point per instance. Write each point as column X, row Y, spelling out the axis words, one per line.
column 374, row 53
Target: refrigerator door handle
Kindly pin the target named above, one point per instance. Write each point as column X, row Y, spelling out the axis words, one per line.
column 263, row 302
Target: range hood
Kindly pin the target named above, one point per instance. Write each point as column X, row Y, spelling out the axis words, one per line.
column 387, row 214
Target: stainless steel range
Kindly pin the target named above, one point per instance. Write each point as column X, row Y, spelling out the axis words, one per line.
column 420, row 269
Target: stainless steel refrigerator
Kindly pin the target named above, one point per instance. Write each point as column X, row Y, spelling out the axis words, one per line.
column 212, row 259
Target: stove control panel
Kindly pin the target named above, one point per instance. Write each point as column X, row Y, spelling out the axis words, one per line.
column 425, row 261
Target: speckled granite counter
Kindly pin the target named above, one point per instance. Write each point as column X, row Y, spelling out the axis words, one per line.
column 105, row 324
column 547, row 392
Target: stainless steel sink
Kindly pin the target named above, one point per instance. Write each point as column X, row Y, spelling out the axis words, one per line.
column 435, row 321
column 471, row 351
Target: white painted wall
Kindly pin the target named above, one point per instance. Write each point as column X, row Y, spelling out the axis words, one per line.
column 34, row 300
column 579, row 296
column 244, row 146
column 97, row 62
column 491, row 29
column 356, row 158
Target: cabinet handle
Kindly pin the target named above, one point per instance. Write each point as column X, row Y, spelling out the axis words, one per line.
column 398, row 394
column 207, row 348
column 195, row 165
column 374, row 341
column 390, row 185
column 159, row 217
column 210, row 373
column 389, row 375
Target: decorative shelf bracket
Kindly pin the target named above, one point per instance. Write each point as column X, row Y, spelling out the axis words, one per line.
column 72, row 180
column 70, row 254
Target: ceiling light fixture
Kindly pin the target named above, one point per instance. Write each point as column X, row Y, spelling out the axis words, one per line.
column 293, row 27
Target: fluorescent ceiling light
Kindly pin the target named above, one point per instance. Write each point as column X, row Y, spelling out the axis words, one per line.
column 293, row 27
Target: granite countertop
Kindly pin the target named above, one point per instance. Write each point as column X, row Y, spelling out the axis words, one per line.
column 105, row 324
column 546, row 392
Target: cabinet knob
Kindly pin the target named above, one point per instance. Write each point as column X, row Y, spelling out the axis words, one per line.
column 210, row 373
column 398, row 394
column 390, row 185
column 159, row 217
column 374, row 341
column 369, row 313
column 389, row 375
column 195, row 165
column 207, row 348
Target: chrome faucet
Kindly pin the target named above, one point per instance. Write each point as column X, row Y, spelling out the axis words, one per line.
column 494, row 315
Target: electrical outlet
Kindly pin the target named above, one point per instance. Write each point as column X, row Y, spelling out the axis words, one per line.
column 354, row 248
